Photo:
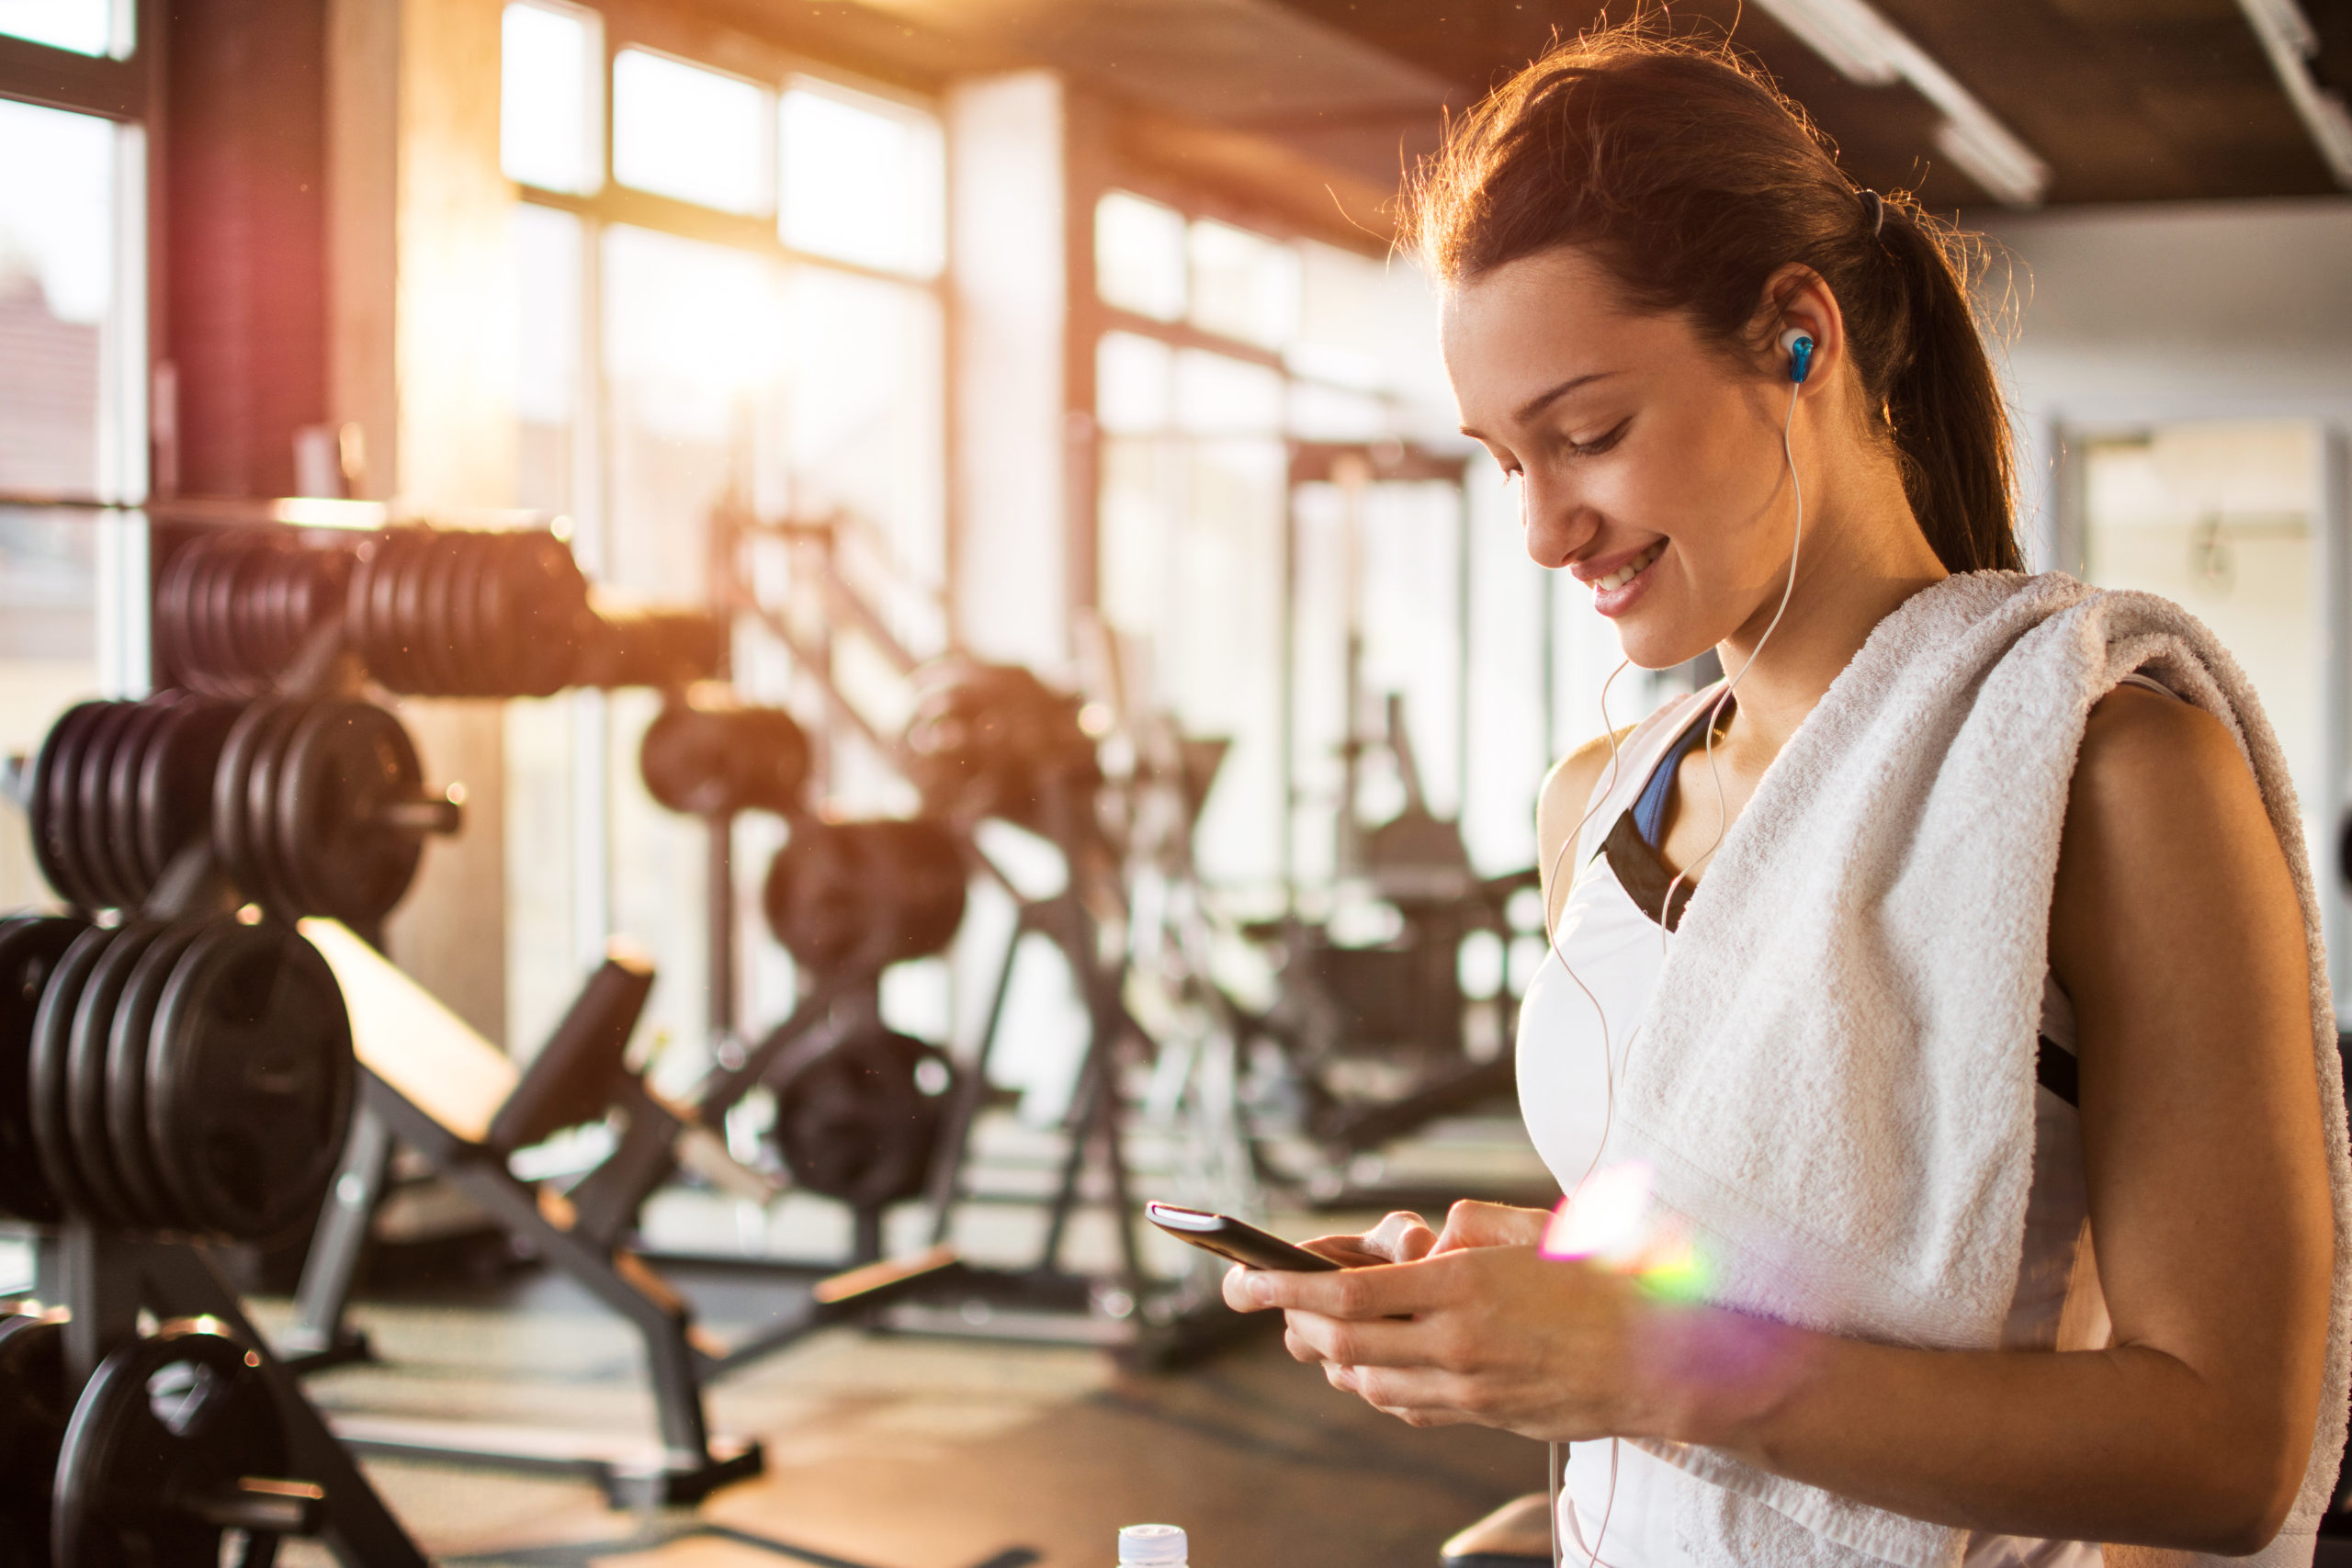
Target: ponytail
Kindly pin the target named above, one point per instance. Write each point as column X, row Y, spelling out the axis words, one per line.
column 1950, row 428
column 1682, row 171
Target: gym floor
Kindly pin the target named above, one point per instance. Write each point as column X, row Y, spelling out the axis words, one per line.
column 897, row 1451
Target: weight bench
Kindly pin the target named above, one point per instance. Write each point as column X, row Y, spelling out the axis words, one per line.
column 428, row 1080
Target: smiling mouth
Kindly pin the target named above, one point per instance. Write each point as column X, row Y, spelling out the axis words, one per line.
column 1630, row 570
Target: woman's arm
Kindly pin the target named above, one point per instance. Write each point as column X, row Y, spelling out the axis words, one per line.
column 2175, row 930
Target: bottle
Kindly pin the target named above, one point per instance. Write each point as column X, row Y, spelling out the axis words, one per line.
column 1152, row 1546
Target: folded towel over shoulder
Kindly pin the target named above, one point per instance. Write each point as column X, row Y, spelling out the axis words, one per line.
column 1835, row 1085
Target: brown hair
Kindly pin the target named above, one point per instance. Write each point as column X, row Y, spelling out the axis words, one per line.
column 1687, row 175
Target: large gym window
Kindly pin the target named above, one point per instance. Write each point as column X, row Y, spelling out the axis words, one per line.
column 744, row 304
column 73, row 373
column 1228, row 572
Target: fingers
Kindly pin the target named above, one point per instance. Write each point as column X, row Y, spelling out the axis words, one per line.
column 1378, row 1342
column 1347, row 1251
column 1472, row 1224
column 1375, row 1291
column 1400, row 1239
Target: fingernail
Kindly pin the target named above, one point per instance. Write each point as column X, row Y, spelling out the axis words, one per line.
column 1260, row 1289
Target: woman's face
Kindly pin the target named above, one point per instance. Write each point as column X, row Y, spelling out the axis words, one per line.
column 1649, row 464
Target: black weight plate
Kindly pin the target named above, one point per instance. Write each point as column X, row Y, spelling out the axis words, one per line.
column 176, row 779
column 29, row 952
column 359, row 592
column 216, row 624
column 127, row 1042
column 229, row 779
column 857, row 1123
column 473, row 653
column 245, row 559
column 56, row 778
column 61, row 1000
column 122, row 795
column 371, row 604
column 94, row 856
column 408, row 611
column 35, row 1404
column 440, row 566
column 194, row 563
column 496, row 619
column 171, row 615
column 349, row 764
column 542, row 606
column 85, row 1070
column 185, row 1414
column 487, row 659
column 263, row 782
column 249, row 1080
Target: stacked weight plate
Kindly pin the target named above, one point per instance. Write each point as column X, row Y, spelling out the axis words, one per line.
column 188, row 1076
column 319, row 807
column 443, row 613
column 236, row 606
column 119, row 789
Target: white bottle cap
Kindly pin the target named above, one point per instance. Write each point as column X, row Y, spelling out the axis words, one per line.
column 1163, row 1545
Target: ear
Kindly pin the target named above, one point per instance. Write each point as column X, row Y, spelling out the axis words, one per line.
column 1796, row 301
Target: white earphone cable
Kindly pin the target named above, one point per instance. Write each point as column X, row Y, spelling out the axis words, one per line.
column 1554, row 1483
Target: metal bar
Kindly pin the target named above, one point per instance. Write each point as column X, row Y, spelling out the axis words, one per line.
column 721, row 1090
column 61, row 79
column 618, row 203
column 341, row 1239
column 619, row 1280
column 718, row 917
column 946, row 1187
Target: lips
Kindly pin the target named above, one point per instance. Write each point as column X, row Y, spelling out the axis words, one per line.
column 1630, row 570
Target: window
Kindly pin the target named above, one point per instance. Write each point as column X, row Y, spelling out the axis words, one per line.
column 683, row 131
column 1236, row 588
column 784, row 345
column 82, row 27
column 550, row 127
column 73, row 379
column 862, row 179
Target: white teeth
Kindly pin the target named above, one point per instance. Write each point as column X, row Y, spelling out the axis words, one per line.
column 1630, row 570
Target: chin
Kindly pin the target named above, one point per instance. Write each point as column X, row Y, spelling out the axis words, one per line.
column 1660, row 647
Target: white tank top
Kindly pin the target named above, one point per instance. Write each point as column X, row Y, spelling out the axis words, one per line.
column 1616, row 949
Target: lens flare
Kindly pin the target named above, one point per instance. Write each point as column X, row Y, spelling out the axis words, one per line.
column 1611, row 1220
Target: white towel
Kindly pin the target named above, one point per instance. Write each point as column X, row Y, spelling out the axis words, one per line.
column 1835, row 1087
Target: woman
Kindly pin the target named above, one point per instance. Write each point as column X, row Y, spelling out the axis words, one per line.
column 1747, row 407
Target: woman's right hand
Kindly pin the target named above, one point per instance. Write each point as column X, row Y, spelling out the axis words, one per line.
column 1399, row 1238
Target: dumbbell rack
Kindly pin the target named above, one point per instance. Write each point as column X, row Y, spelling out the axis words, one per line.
column 106, row 1280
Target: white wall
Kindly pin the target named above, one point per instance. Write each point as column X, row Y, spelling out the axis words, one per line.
column 2135, row 315
column 2131, row 316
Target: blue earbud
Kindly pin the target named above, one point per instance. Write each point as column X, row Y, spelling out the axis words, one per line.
column 1797, row 344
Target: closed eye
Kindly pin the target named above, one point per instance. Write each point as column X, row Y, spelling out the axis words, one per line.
column 1599, row 443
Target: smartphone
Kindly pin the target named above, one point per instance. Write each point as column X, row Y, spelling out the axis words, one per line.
column 1235, row 1239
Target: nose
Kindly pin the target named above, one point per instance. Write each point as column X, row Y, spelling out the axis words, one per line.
column 1556, row 519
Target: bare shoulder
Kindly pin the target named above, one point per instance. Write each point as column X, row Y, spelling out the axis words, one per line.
column 2169, row 861
column 1568, row 792
column 2158, row 762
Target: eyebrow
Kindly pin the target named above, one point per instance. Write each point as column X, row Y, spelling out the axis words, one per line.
column 1544, row 400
